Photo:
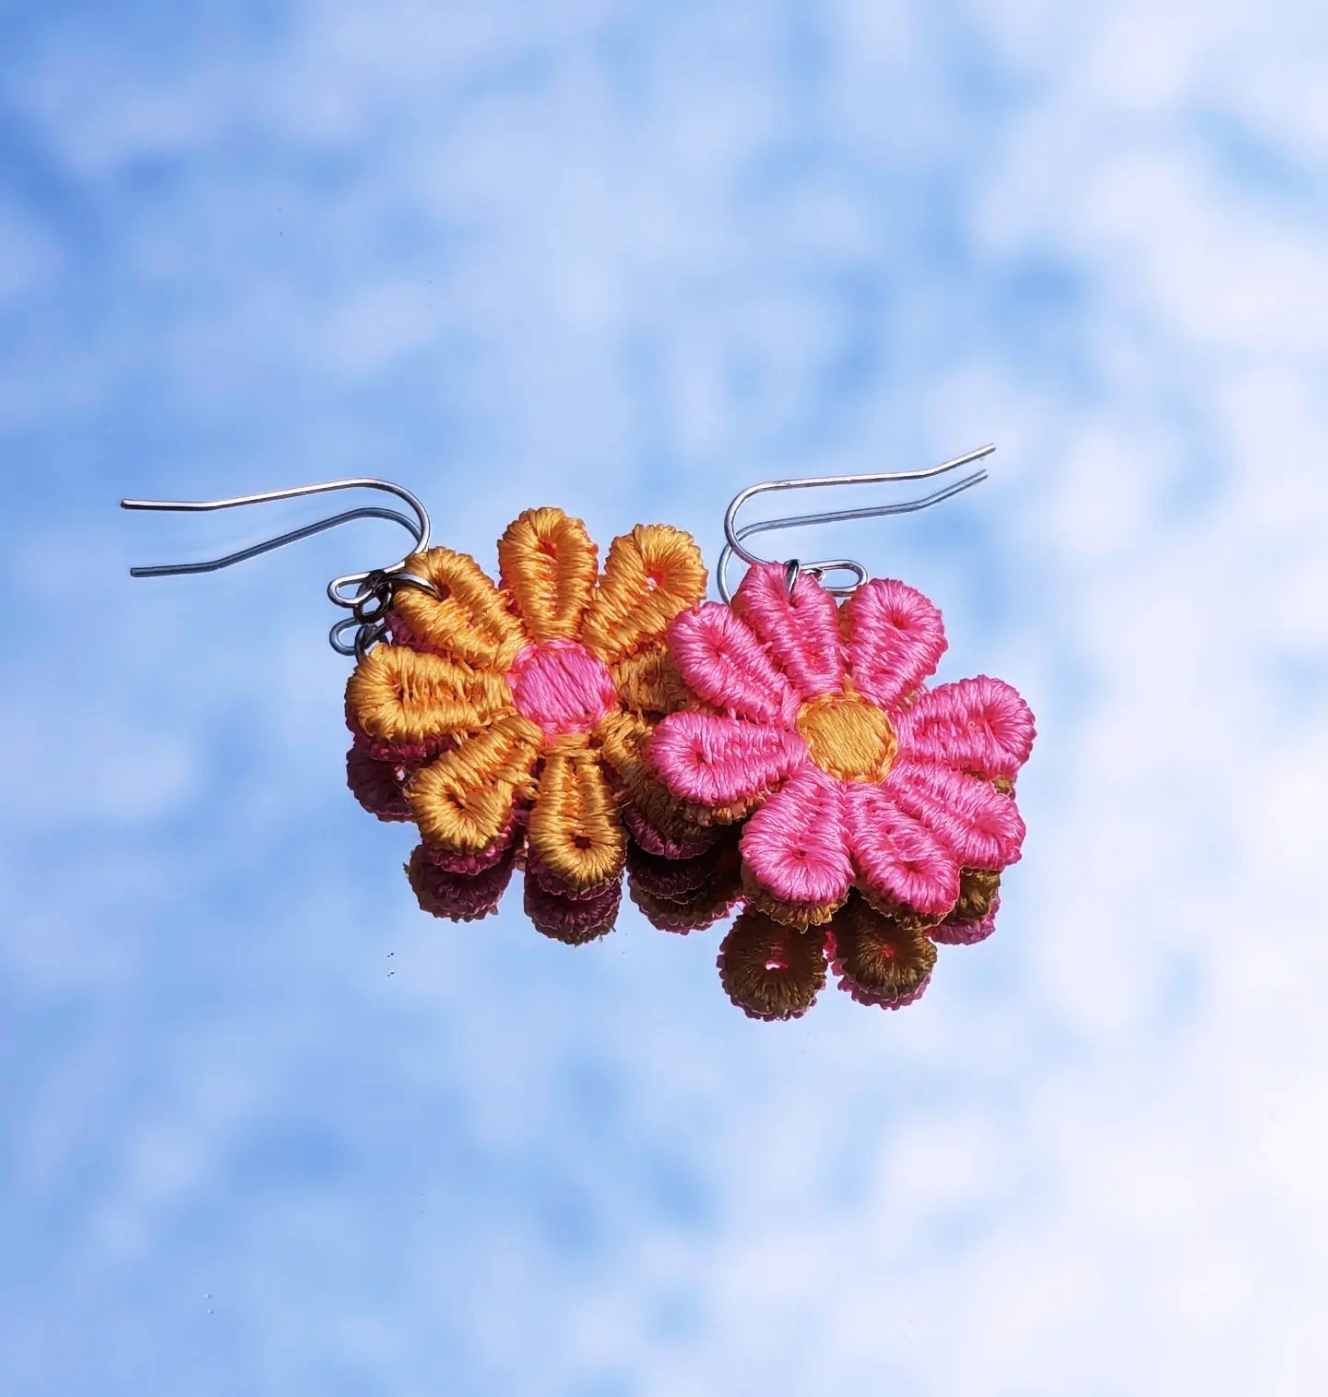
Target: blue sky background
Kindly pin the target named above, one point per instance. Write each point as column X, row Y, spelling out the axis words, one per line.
column 264, row 1128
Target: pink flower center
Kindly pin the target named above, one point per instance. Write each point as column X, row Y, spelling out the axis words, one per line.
column 561, row 686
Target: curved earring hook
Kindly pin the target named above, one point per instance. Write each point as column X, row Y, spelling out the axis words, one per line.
column 370, row 588
column 420, row 531
column 242, row 555
column 735, row 535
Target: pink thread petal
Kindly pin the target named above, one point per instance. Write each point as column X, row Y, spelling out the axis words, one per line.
column 801, row 633
column 795, row 846
column 966, row 933
column 980, row 725
column 895, row 640
column 725, row 664
column 715, row 760
column 977, row 825
column 898, row 859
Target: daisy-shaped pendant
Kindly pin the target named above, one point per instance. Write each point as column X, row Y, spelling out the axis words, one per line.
column 508, row 721
column 817, row 718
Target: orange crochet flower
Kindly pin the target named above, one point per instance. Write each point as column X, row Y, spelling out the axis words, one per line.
column 516, row 714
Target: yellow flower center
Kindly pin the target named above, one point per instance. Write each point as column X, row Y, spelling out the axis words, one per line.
column 847, row 737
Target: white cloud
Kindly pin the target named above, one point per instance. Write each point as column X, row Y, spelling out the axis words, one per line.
column 1090, row 1158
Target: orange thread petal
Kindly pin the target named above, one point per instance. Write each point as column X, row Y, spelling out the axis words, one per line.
column 462, row 801
column 548, row 563
column 649, row 682
column 574, row 829
column 650, row 575
column 468, row 620
column 406, row 696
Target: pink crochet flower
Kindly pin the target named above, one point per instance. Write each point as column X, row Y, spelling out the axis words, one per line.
column 817, row 717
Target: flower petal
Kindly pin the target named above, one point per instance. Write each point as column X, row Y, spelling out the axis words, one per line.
column 548, row 563
column 696, row 910
column 801, row 633
column 649, row 682
column 899, row 862
column 700, row 910
column 966, row 931
column 895, row 640
column 974, row 822
column 405, row 697
column 677, row 880
column 879, row 959
column 686, row 894
column 658, row 818
column 795, row 848
column 684, row 842
column 473, row 861
column 574, row 829
column 979, row 891
column 572, row 920
column 468, row 620
column 650, row 575
column 978, row 725
column 375, row 783
column 725, row 664
column 715, row 761
column 461, row 897
column 463, row 800
column 771, row 971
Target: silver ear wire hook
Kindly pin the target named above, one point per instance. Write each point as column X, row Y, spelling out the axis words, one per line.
column 734, row 535
column 373, row 590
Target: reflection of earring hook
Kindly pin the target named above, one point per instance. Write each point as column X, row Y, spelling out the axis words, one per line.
column 734, row 535
column 373, row 590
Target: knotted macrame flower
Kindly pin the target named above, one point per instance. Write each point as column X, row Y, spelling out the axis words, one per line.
column 816, row 718
column 508, row 721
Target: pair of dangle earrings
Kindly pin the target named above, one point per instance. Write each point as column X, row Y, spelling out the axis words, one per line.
column 780, row 754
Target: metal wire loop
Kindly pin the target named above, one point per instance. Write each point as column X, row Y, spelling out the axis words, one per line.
column 375, row 601
column 364, row 634
column 373, row 590
column 735, row 535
